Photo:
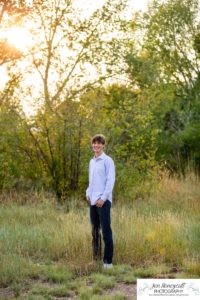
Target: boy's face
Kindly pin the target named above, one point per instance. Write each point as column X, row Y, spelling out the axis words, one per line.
column 97, row 148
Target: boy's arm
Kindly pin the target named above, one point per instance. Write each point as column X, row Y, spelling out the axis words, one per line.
column 110, row 179
column 88, row 188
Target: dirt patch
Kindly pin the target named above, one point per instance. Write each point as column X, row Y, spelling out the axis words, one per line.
column 128, row 290
column 6, row 293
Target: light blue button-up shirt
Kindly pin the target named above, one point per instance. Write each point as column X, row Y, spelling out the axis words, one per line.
column 101, row 178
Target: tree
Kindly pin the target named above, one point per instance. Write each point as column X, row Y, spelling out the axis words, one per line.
column 67, row 51
column 166, row 69
column 12, row 13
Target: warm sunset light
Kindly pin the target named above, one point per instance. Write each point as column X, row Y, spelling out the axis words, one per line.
column 18, row 37
column 99, row 149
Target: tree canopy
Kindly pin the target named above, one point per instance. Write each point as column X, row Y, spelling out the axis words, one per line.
column 136, row 81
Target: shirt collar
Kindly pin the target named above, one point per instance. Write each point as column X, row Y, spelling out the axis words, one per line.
column 102, row 156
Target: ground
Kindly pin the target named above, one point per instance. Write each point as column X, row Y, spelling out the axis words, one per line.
column 115, row 284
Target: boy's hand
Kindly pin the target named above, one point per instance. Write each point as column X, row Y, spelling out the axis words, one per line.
column 99, row 203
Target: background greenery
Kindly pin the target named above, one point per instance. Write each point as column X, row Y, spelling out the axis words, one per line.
column 139, row 87
column 137, row 82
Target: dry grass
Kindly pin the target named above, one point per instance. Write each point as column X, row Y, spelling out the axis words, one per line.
column 163, row 229
column 181, row 193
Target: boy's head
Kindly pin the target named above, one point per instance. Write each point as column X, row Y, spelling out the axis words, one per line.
column 98, row 144
column 99, row 138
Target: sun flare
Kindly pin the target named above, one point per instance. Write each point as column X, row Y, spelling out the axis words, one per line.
column 19, row 37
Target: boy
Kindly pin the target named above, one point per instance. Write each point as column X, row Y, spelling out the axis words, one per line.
column 99, row 196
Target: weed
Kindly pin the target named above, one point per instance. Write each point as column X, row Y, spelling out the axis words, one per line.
column 102, row 280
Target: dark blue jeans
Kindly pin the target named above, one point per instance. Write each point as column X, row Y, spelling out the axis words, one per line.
column 100, row 219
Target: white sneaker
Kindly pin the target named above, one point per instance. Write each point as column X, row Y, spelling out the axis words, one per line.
column 107, row 266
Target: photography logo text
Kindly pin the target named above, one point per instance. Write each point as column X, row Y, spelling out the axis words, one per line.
column 168, row 289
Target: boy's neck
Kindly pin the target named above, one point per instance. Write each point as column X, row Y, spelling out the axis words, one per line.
column 98, row 154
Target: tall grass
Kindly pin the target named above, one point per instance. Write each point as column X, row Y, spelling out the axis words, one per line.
column 162, row 229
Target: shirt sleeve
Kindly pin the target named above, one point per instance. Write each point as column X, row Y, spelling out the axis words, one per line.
column 110, row 178
column 88, row 188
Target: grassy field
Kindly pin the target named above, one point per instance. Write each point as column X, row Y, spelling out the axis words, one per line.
column 45, row 248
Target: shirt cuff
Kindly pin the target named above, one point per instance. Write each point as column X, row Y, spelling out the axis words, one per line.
column 103, row 198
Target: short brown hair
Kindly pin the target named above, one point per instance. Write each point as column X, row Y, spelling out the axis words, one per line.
column 100, row 138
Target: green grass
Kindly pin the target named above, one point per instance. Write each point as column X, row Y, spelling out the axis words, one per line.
column 15, row 268
column 46, row 243
column 55, row 273
column 130, row 278
column 102, row 280
column 142, row 236
column 116, row 296
column 56, row 291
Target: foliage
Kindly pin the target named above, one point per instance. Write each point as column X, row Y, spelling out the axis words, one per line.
column 12, row 13
column 166, row 70
column 67, row 51
column 135, row 81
